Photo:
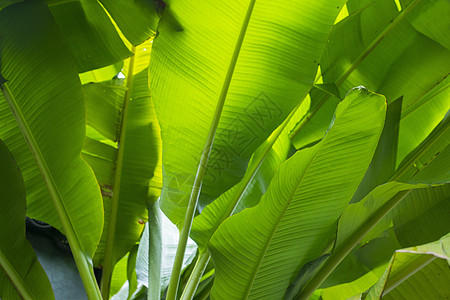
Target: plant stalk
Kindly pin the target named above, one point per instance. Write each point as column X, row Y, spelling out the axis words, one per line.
column 184, row 234
column 348, row 245
column 109, row 260
column 15, row 279
column 84, row 264
column 154, row 251
column 196, row 275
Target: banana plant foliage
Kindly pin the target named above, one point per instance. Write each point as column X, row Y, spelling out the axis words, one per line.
column 18, row 262
column 305, row 199
column 254, row 91
column 303, row 146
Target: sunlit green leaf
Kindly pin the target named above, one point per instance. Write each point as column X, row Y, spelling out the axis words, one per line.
column 136, row 19
column 266, row 84
column 416, row 273
column 49, row 110
column 304, row 200
column 43, row 123
column 88, row 33
column 379, row 48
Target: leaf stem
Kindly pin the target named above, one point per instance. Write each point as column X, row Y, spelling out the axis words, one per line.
column 109, row 261
column 154, row 251
column 84, row 264
column 14, row 278
column 196, row 275
column 347, row 246
column 185, row 230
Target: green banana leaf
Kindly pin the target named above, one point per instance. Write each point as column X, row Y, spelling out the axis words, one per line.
column 315, row 126
column 45, row 102
column 101, row 157
column 383, row 51
column 88, row 33
column 169, row 241
column 365, row 220
column 124, row 276
column 422, row 217
column 137, row 19
column 103, row 108
column 119, row 276
column 139, row 160
column 383, row 165
column 303, row 202
column 205, row 224
column 125, row 171
column 376, row 46
column 21, row 275
column 429, row 18
column 361, row 269
column 420, row 272
column 418, row 219
column 102, row 74
column 263, row 84
column 425, row 154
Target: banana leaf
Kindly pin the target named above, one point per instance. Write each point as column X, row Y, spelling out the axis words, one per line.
column 89, row 34
column 43, row 106
column 388, row 51
column 296, row 218
column 21, row 274
column 416, row 273
column 233, row 69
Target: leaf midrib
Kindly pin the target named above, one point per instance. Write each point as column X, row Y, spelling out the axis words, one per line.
column 15, row 279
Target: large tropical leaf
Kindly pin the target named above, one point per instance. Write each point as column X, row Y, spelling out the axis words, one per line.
column 104, row 103
column 21, row 275
column 366, row 219
column 102, row 74
column 427, row 20
column 189, row 82
column 361, row 269
column 44, row 102
column 386, row 53
column 249, row 190
column 423, row 216
column 382, row 167
column 420, row 218
column 390, row 52
column 136, row 19
column 314, row 126
column 124, row 276
column 88, row 33
column 416, row 273
column 296, row 217
column 125, row 170
column 169, row 241
column 425, row 153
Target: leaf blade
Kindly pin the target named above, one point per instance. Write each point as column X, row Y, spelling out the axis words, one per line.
column 17, row 259
column 256, row 234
